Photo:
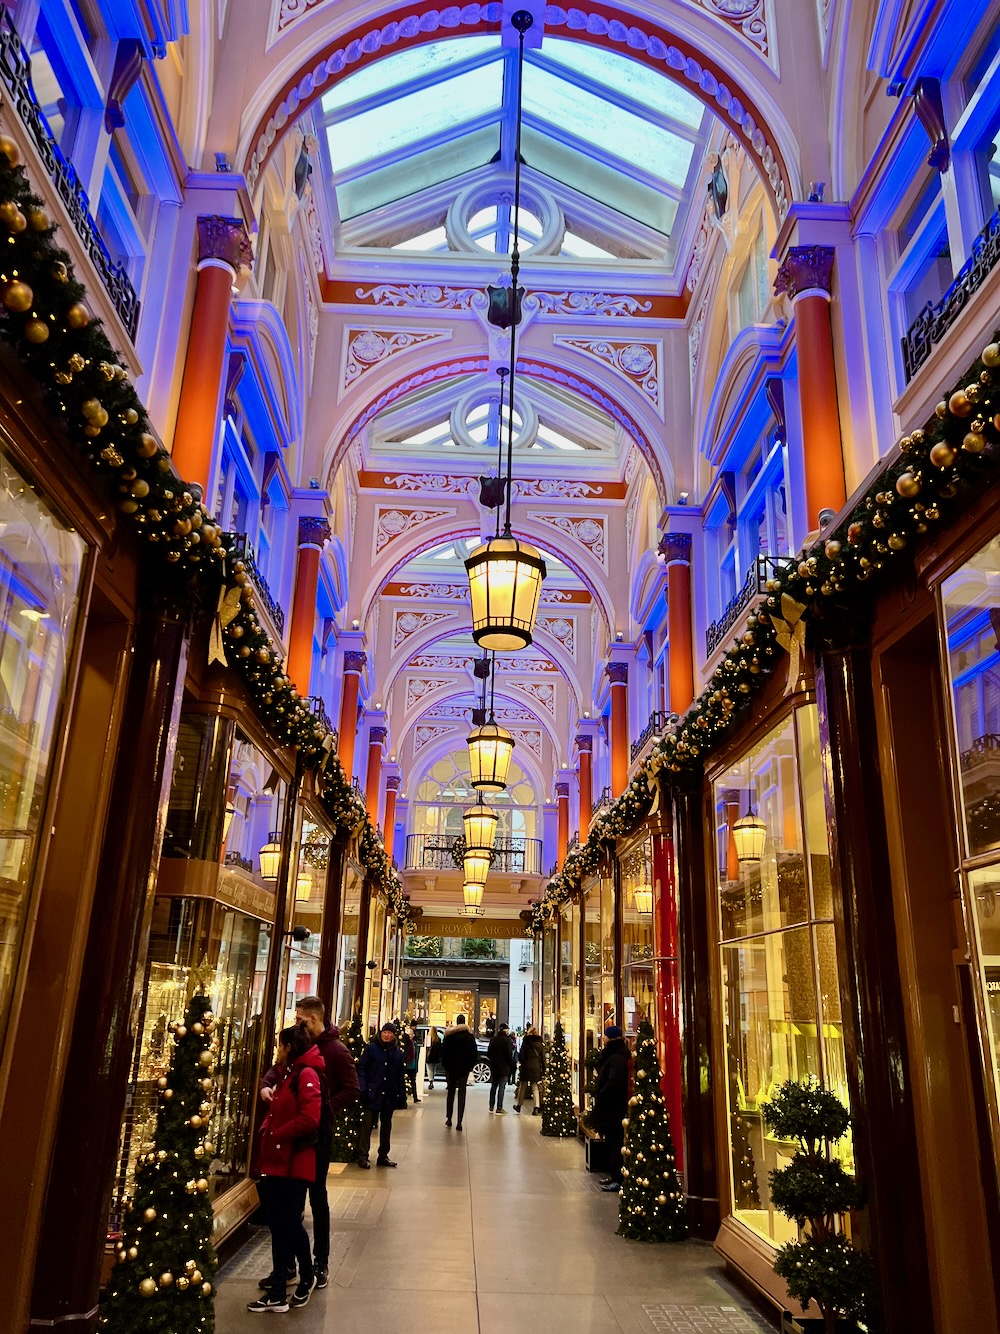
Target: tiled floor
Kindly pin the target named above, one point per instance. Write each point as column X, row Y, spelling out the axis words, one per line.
column 486, row 1232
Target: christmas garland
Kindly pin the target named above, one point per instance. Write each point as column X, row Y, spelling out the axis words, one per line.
column 45, row 319
column 938, row 471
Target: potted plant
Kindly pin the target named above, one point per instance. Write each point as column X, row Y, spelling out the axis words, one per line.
column 816, row 1192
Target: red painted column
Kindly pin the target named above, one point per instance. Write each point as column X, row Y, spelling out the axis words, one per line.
column 562, row 827
column 585, row 749
column 389, row 819
column 314, row 531
column 676, row 547
column 373, row 778
column 223, row 249
column 354, row 663
column 666, row 973
column 618, row 675
column 806, row 276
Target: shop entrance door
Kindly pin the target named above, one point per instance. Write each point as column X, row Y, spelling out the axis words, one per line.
column 445, row 1004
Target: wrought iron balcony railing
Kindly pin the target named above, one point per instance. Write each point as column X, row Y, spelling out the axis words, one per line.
column 241, row 548
column 603, row 801
column 763, row 569
column 15, row 71
column 657, row 722
column 935, row 320
column 513, row 856
column 986, row 747
column 319, row 711
column 242, row 863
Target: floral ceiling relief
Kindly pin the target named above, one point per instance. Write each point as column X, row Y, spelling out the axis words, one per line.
column 542, row 691
column 419, row 687
column 366, row 348
column 426, row 733
column 407, row 623
column 747, row 18
column 392, row 523
column 590, row 533
column 530, row 737
column 561, row 628
column 640, row 363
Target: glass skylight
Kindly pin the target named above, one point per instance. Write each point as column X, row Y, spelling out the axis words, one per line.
column 416, row 63
column 434, row 240
column 629, row 77
column 492, row 228
column 580, row 249
column 548, row 436
column 482, row 422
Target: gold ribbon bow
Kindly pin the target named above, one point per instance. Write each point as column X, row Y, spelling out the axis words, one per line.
column 790, row 630
column 226, row 611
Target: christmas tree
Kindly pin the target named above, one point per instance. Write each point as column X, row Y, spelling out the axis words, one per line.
column 558, row 1115
column 162, row 1280
column 745, row 1191
column 347, row 1124
column 815, row 1191
column 651, row 1202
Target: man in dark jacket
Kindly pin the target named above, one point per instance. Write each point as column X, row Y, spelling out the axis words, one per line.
column 459, row 1054
column 611, row 1101
column 383, row 1090
column 500, row 1054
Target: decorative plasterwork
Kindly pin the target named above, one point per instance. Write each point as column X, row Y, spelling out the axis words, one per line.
column 426, row 733
column 699, row 250
column 367, row 348
column 314, row 231
column 606, row 304
column 630, row 521
column 639, row 363
column 423, row 296
column 561, row 628
column 407, row 623
column 589, row 532
column 542, row 691
column 392, row 523
column 530, row 737
column 438, row 482
column 447, row 484
column 695, row 334
column 747, row 18
column 419, row 687
column 524, row 662
column 441, row 662
column 441, row 592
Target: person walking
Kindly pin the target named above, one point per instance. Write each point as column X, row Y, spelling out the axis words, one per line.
column 500, row 1054
column 512, row 1077
column 286, row 1159
column 531, row 1067
column 433, row 1063
column 410, row 1060
column 459, row 1054
column 383, row 1091
column 611, row 1101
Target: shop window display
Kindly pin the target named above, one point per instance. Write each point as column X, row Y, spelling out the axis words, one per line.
column 637, row 935
column 41, row 561
column 569, row 989
column 781, row 996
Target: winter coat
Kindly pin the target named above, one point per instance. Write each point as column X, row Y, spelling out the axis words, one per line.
column 288, row 1135
column 409, row 1052
column 500, row 1054
column 341, row 1087
column 459, row 1052
column 434, row 1052
column 380, row 1070
column 532, row 1059
column 611, row 1089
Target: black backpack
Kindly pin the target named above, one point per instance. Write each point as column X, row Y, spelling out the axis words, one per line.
column 325, row 1129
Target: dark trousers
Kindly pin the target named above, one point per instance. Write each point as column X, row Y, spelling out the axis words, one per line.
column 411, row 1082
column 614, row 1138
column 383, row 1119
column 454, row 1083
column 320, row 1206
column 284, row 1201
column 497, row 1086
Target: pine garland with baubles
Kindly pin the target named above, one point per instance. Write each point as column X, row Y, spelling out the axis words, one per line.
column 651, row 1204
column 163, row 1278
column 347, row 1125
column 558, row 1114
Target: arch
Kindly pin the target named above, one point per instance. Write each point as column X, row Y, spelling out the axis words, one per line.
column 529, row 762
column 653, row 43
column 446, row 693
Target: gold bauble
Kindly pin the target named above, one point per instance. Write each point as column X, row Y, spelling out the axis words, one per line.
column 974, row 442
column 76, row 362
column 189, row 1265
column 91, row 408
column 161, row 1083
column 92, row 430
column 202, row 1185
column 661, row 1199
column 39, row 221
column 133, row 1252
column 991, row 354
column 147, row 1287
column 19, row 223
column 8, row 211
column 244, row 651
column 196, row 1121
column 907, row 485
column 236, row 632
column 140, row 489
column 206, row 1083
column 173, row 557
column 17, row 296
column 10, row 150
column 959, row 405
column 896, row 541
column 182, row 527
column 36, row 331
column 60, row 272
column 181, row 1031
column 168, row 1093
column 832, row 550
column 197, row 1028
column 206, row 1288
column 195, row 1275
column 204, row 1058
column 942, row 455
column 78, row 316
column 183, row 1283
column 130, row 416
column 166, row 1278
column 147, row 445
column 149, row 1214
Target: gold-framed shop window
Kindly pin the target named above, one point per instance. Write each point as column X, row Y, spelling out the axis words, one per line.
column 637, row 933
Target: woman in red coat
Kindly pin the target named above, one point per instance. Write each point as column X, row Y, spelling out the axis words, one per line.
column 287, row 1163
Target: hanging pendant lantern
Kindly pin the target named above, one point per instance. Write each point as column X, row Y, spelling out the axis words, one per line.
column 476, row 864
column 490, row 749
column 473, row 906
column 644, row 900
column 505, row 583
column 270, row 855
column 480, row 823
column 749, row 835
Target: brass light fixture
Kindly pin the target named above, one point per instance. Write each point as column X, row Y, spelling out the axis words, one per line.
column 270, row 855
column 480, row 823
column 505, row 574
column 490, row 745
column 473, row 906
column 476, row 864
column 644, row 900
column 749, row 835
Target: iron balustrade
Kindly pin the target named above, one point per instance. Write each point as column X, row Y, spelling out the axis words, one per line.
column 604, row 801
column 241, row 548
column 15, row 71
column 657, row 722
column 514, row 855
column 242, row 863
column 319, row 712
column 936, row 319
column 984, row 747
column 763, row 569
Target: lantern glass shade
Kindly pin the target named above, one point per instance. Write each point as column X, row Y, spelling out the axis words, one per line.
column 749, row 835
column 270, row 855
column 490, row 749
column 480, row 826
column 644, row 900
column 303, row 885
column 477, row 867
column 473, row 905
column 227, row 821
column 505, row 583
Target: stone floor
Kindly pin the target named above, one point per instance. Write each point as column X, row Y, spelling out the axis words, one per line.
column 486, row 1232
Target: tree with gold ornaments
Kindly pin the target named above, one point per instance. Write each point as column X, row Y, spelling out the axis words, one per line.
column 558, row 1115
column 163, row 1278
column 347, row 1124
column 651, row 1205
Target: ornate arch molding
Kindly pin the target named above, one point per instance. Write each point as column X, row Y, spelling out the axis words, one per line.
column 445, row 694
column 653, row 43
column 436, row 750
column 534, row 368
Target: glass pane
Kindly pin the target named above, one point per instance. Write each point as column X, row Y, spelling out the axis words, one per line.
column 594, row 121
column 580, row 249
column 435, row 239
column 414, row 117
column 630, row 77
column 814, row 805
column 598, row 181
column 984, row 888
column 833, row 1053
column 391, row 71
column 40, row 566
column 348, row 962
column 417, row 171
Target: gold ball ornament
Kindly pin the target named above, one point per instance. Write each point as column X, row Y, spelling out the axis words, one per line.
column 896, row 541
column 206, row 1289
column 206, row 1083
column 197, row 1028
column 19, row 223
column 147, row 445
column 202, row 1185
column 195, row 1121
column 832, row 550
column 942, row 455
column 168, row 1093
column 60, row 272
column 959, row 404
column 183, row 1282
column 189, row 1266
column 76, row 363
column 180, row 1031
column 38, row 220
column 36, row 331
column 974, row 442
column 149, row 1214
column 204, row 1058
column 991, row 354
column 195, row 1275
column 8, row 211
column 166, row 1279
column 17, row 296
column 133, row 1252
column 78, row 316
column 10, row 150
column 147, row 1287
column 907, row 485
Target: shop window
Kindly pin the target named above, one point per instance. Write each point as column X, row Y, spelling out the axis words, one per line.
column 637, row 935
column 924, row 271
column 987, row 157
column 41, row 561
column 753, row 289
column 780, row 993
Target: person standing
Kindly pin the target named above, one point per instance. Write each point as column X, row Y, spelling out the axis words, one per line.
column 459, row 1054
column 500, row 1054
column 383, row 1091
column 611, row 1101
column 433, row 1055
column 410, row 1060
column 287, row 1163
column 531, row 1067
column 512, row 1077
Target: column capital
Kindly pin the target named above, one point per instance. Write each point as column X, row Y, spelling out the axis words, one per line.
column 225, row 239
column 314, row 530
column 355, row 660
column 806, row 268
column 393, row 782
column 562, row 791
column 584, row 742
column 617, row 673
column 377, row 735
column 676, row 548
